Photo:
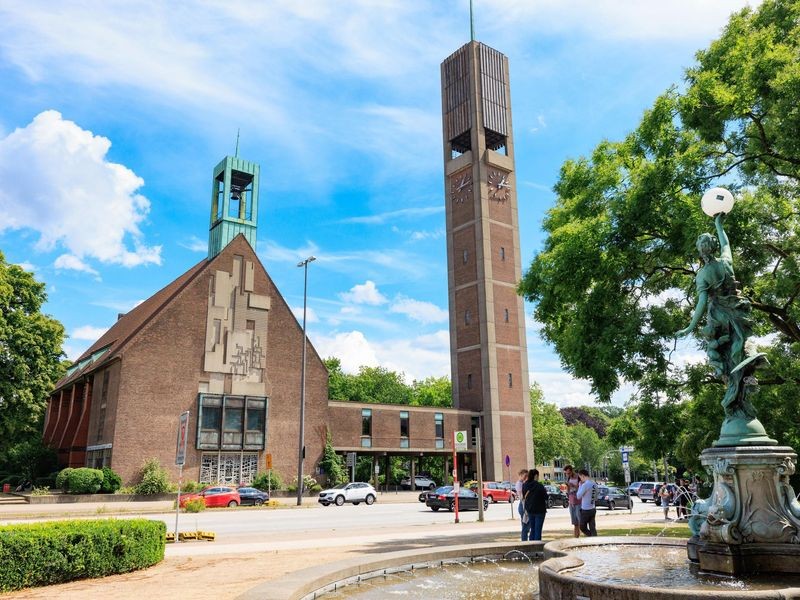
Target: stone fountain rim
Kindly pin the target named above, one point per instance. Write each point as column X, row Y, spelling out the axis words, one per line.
column 558, row 559
column 307, row 583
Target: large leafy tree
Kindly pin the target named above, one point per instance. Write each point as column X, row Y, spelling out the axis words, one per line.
column 551, row 437
column 30, row 357
column 615, row 278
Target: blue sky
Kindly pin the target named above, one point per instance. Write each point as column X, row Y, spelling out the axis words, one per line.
column 113, row 115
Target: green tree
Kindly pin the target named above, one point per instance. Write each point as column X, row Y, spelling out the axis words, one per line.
column 340, row 384
column 332, row 464
column 432, row 391
column 589, row 449
column 551, row 437
column 30, row 356
column 611, row 283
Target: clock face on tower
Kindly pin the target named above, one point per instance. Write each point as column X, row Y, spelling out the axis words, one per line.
column 499, row 185
column 461, row 186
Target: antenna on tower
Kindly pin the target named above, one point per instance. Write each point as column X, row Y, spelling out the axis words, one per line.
column 236, row 154
column 471, row 23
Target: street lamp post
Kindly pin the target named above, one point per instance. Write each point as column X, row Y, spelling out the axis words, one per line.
column 301, row 444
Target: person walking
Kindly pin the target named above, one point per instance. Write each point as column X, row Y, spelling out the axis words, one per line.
column 522, row 476
column 573, row 483
column 666, row 499
column 535, row 500
column 587, row 494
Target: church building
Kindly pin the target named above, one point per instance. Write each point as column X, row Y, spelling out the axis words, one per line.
column 221, row 342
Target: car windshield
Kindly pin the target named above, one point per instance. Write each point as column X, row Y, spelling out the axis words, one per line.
column 341, row 486
column 603, row 490
column 445, row 489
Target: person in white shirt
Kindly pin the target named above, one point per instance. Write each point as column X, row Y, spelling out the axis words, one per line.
column 522, row 476
column 587, row 494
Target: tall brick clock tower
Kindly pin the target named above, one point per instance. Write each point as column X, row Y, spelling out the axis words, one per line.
column 488, row 351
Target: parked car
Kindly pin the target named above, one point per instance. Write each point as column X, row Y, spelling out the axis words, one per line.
column 555, row 497
column 214, row 495
column 612, row 497
column 420, row 481
column 633, row 489
column 444, row 497
column 250, row 495
column 355, row 493
column 495, row 492
column 647, row 491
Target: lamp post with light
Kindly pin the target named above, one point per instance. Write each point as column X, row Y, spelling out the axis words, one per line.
column 301, row 452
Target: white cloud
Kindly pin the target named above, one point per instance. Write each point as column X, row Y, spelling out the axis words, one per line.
column 311, row 316
column 26, row 266
column 195, row 244
column 58, row 182
column 403, row 213
column 88, row 332
column 73, row 263
column 415, row 358
column 365, row 293
column 541, row 123
column 424, row 312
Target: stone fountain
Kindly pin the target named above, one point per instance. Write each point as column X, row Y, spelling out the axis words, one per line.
column 751, row 521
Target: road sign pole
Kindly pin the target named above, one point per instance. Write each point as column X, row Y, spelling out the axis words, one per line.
column 455, row 475
column 180, row 459
column 480, row 474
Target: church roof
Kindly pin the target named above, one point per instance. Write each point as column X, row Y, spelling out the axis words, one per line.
column 112, row 341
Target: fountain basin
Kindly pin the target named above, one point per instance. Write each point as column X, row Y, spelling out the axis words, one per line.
column 317, row 581
column 568, row 573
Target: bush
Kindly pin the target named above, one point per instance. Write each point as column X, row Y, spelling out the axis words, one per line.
column 154, row 479
column 191, row 487
column 111, row 481
column 309, row 485
column 84, row 481
column 55, row 552
column 269, row 480
column 126, row 489
column 40, row 491
column 62, row 478
column 195, row 505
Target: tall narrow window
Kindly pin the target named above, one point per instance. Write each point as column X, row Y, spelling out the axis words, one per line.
column 510, row 380
column 366, row 427
column 467, row 317
column 466, row 256
column 404, row 429
column 469, row 381
column 502, row 253
column 438, row 420
column 505, row 314
column 232, row 423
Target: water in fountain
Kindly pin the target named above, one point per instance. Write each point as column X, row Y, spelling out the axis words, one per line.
column 483, row 578
column 662, row 567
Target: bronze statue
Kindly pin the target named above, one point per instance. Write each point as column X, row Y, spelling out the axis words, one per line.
column 728, row 325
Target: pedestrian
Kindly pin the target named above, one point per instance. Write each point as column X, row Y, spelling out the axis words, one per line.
column 666, row 498
column 682, row 499
column 522, row 476
column 573, row 482
column 535, row 500
column 587, row 494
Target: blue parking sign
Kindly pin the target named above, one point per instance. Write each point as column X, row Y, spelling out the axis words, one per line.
column 624, row 457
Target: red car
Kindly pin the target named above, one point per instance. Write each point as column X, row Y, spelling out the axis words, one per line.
column 216, row 495
column 497, row 492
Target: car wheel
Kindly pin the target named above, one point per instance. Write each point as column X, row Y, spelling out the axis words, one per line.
column 259, row 502
column 435, row 508
column 370, row 499
column 549, row 503
column 431, row 487
column 233, row 503
column 490, row 498
column 423, row 497
column 339, row 500
column 630, row 504
column 565, row 504
column 452, row 506
column 485, row 505
column 611, row 506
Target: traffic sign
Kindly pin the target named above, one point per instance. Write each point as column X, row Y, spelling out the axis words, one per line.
column 460, row 440
column 624, row 458
column 183, row 437
column 351, row 459
column 268, row 460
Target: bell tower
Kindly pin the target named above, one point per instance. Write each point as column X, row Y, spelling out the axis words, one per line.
column 234, row 203
column 488, row 349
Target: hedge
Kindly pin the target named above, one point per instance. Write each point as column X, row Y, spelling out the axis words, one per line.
column 54, row 552
column 84, row 481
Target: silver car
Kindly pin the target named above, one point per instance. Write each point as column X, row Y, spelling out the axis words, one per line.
column 355, row 493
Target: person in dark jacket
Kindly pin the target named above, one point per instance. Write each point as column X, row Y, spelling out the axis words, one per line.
column 535, row 499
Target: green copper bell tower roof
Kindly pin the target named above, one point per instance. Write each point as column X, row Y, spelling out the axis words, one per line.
column 234, row 203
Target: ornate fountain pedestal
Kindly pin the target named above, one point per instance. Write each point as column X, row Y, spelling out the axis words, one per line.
column 751, row 522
